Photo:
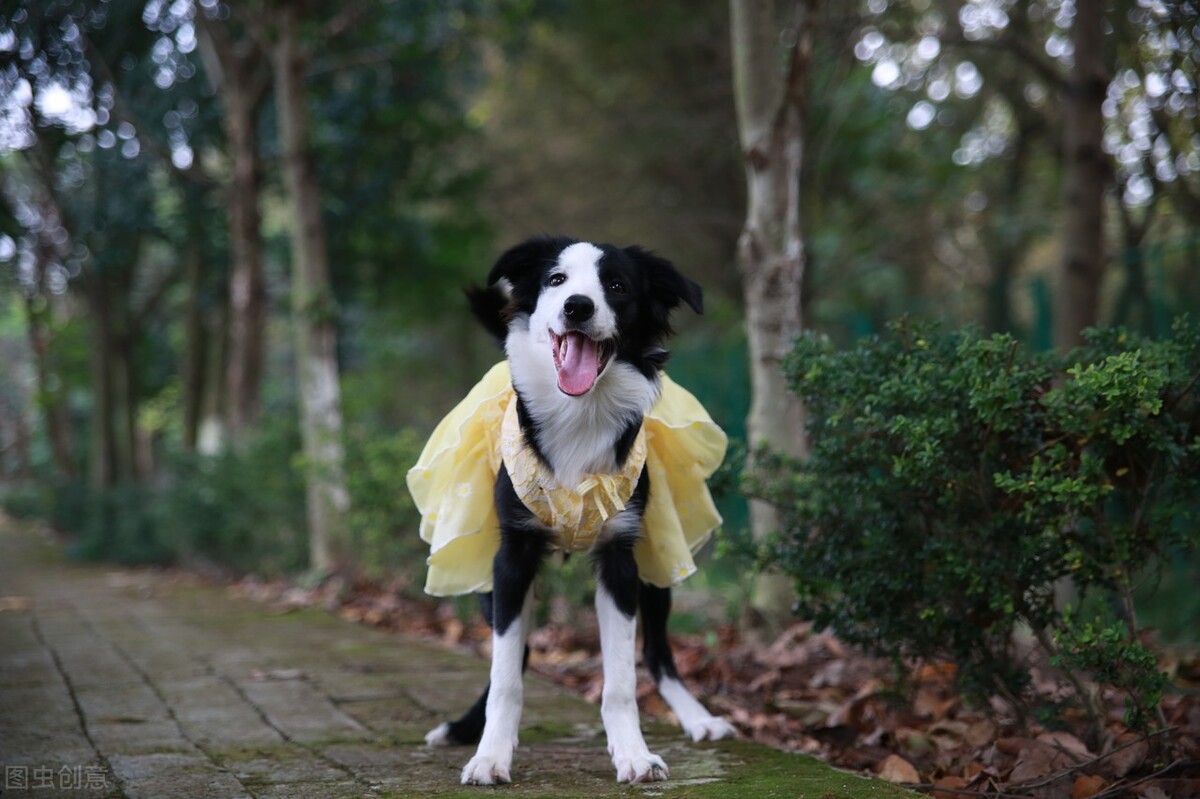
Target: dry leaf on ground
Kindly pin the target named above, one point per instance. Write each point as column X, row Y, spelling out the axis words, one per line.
column 896, row 769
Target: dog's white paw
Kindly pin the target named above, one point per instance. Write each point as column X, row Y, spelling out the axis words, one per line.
column 712, row 728
column 487, row 770
column 439, row 735
column 645, row 767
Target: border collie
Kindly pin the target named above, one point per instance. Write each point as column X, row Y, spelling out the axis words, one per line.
column 582, row 325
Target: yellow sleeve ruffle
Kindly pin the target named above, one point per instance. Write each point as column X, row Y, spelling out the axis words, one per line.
column 453, row 481
column 684, row 447
column 452, row 486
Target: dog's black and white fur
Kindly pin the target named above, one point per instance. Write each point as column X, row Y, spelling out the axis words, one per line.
column 563, row 309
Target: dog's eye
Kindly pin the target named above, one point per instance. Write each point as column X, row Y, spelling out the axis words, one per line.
column 556, row 280
column 616, row 287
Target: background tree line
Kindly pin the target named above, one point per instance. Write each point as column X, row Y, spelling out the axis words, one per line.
column 234, row 234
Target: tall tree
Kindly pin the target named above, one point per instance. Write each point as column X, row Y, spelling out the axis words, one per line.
column 237, row 67
column 314, row 310
column 1085, row 181
column 40, row 309
column 770, row 108
column 205, row 336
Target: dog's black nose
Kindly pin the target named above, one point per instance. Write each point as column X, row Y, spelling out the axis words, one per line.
column 578, row 308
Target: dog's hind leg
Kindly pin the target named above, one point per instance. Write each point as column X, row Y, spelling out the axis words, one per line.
column 466, row 729
column 656, row 653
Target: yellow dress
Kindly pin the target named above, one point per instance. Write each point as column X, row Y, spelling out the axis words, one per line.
column 453, row 479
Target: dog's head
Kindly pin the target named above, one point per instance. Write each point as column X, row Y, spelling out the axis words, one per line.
column 581, row 307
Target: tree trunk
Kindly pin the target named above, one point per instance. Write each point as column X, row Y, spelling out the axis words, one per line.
column 50, row 387
column 196, row 347
column 247, row 289
column 127, row 386
column 210, row 438
column 39, row 312
column 770, row 108
column 22, row 468
column 1004, row 238
column 313, row 307
column 115, row 386
column 103, row 467
column 238, row 72
column 1086, row 177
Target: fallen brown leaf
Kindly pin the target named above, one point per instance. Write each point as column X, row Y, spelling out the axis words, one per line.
column 931, row 704
column 896, row 769
column 936, row 672
column 979, row 733
column 768, row 678
column 1123, row 761
column 851, row 710
column 1038, row 760
column 975, row 768
column 949, row 781
column 1087, row 786
column 1066, row 743
column 1169, row 788
column 1012, row 745
column 1155, row 792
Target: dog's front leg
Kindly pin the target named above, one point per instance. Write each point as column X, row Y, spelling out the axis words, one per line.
column 492, row 762
column 616, row 607
column 522, row 549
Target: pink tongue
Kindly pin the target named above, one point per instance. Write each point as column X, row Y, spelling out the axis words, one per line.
column 579, row 364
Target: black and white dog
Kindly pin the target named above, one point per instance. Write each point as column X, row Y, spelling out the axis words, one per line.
column 582, row 325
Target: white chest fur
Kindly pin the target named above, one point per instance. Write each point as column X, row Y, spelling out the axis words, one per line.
column 577, row 435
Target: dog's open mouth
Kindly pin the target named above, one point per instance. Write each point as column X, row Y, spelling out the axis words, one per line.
column 579, row 361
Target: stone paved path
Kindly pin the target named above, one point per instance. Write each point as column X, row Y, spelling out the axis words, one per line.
column 122, row 683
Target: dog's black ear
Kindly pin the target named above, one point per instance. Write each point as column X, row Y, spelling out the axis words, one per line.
column 527, row 258
column 521, row 268
column 668, row 285
column 492, row 307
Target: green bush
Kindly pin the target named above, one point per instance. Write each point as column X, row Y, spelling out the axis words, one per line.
column 955, row 479
column 383, row 519
column 241, row 510
column 120, row 525
column 22, row 501
column 1104, row 650
column 113, row 524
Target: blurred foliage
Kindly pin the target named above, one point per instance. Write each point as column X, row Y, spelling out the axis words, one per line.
column 396, row 153
column 615, row 122
column 955, row 479
column 241, row 511
column 236, row 511
column 383, row 518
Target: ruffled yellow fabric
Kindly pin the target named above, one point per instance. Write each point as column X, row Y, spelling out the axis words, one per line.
column 453, row 479
column 576, row 513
